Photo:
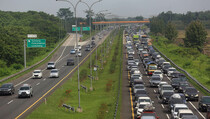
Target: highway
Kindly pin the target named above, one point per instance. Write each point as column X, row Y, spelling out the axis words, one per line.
column 160, row 109
column 14, row 107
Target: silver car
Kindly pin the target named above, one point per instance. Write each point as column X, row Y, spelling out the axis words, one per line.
column 25, row 91
column 54, row 73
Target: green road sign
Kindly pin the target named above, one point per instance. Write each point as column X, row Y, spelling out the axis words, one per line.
column 36, row 43
column 74, row 28
column 85, row 28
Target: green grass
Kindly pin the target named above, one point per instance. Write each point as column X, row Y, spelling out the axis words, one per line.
column 96, row 104
column 194, row 62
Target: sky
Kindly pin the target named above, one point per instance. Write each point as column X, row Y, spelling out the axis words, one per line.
column 120, row 8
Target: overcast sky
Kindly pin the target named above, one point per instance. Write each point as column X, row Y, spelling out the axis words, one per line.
column 122, row 8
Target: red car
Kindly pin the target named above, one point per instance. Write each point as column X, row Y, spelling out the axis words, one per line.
column 148, row 115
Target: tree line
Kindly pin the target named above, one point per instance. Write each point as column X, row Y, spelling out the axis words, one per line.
column 195, row 30
column 14, row 27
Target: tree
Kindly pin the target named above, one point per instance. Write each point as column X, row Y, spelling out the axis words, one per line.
column 157, row 26
column 195, row 35
column 171, row 32
column 89, row 15
column 139, row 18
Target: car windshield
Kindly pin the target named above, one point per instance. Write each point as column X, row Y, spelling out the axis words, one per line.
column 184, row 84
column 157, row 73
column 192, row 90
column 54, row 71
column 51, row 63
column 139, row 87
column 167, row 88
column 206, row 99
column 24, row 88
column 178, row 108
column 177, row 101
column 175, row 80
column 6, row 86
column 37, row 71
column 144, row 100
column 185, row 114
column 141, row 106
column 152, row 67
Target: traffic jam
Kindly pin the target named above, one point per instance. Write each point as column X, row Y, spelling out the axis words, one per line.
column 148, row 70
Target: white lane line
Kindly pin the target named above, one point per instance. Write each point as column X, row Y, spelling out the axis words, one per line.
column 10, row 102
column 37, row 84
column 167, row 116
column 197, row 110
column 154, row 91
column 44, row 79
column 23, row 81
column 162, row 106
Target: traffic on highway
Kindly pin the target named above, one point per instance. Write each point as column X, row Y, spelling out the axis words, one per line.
column 157, row 89
column 19, row 97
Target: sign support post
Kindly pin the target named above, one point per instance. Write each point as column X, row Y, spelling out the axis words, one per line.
column 24, row 53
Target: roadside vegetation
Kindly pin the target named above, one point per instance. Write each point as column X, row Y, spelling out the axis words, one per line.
column 96, row 104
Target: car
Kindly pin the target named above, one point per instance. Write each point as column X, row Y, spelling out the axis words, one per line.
column 174, row 99
column 160, row 84
column 148, row 113
column 70, row 62
column 93, row 43
column 160, row 62
column 25, row 91
column 164, row 64
column 79, row 47
column 142, row 99
column 175, row 82
column 136, row 61
column 170, row 70
column 208, row 113
column 79, row 53
column 131, row 52
column 140, row 107
column 37, row 74
column 183, row 112
column 136, row 81
column 87, row 48
column 51, row 65
column 130, row 57
column 138, row 87
column 176, row 108
column 54, row 73
column 165, row 88
column 189, row 117
column 204, row 103
column 134, row 71
column 182, row 86
column 175, row 74
column 73, row 51
column 191, row 93
column 154, row 80
column 139, row 93
column 7, row 88
column 165, row 68
column 158, row 72
column 166, row 95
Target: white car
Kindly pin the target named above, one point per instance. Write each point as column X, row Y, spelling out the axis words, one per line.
column 37, row 74
column 54, row 73
column 79, row 47
column 170, row 71
column 131, row 52
column 79, row 53
column 25, row 91
column 158, row 72
column 140, row 107
column 166, row 88
column 182, row 112
column 142, row 99
column 51, row 65
column 176, row 108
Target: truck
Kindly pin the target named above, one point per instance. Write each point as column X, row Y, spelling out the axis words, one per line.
column 151, row 67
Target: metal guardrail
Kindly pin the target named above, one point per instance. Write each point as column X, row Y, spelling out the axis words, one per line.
column 191, row 77
column 13, row 75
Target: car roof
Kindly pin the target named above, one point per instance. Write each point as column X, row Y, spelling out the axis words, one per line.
column 166, row 86
column 25, row 85
column 185, row 111
column 37, row 70
column 54, row 70
column 180, row 105
column 157, row 71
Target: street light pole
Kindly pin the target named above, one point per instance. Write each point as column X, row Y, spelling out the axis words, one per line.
column 89, row 7
column 75, row 13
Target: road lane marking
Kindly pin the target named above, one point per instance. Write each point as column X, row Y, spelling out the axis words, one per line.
column 10, row 102
column 162, row 106
column 197, row 110
column 23, row 81
column 55, row 86
column 44, row 79
column 167, row 116
column 154, row 91
column 131, row 104
column 37, row 84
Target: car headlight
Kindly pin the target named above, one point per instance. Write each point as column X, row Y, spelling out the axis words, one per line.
column 186, row 94
column 204, row 104
column 196, row 95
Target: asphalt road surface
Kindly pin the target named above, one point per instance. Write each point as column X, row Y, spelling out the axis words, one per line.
column 14, row 107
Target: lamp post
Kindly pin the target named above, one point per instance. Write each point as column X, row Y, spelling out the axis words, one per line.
column 89, row 7
column 75, row 13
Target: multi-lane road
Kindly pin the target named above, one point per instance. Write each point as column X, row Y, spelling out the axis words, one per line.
column 128, row 109
column 14, row 107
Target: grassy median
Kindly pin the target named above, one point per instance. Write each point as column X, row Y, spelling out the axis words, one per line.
column 96, row 104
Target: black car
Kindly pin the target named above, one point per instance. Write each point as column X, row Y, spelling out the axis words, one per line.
column 175, row 82
column 165, row 68
column 93, row 43
column 173, row 101
column 166, row 96
column 182, row 86
column 175, row 74
column 204, row 103
column 191, row 93
column 139, row 93
column 7, row 88
column 70, row 62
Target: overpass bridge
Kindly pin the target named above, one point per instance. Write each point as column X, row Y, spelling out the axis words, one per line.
column 120, row 22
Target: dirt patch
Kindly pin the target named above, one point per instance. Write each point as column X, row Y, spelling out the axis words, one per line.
column 179, row 41
column 62, row 101
column 109, row 86
column 102, row 111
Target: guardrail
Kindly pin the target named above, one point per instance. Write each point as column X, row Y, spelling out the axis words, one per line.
column 191, row 77
column 4, row 79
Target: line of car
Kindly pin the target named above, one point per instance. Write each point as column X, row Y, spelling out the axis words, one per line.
column 175, row 94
